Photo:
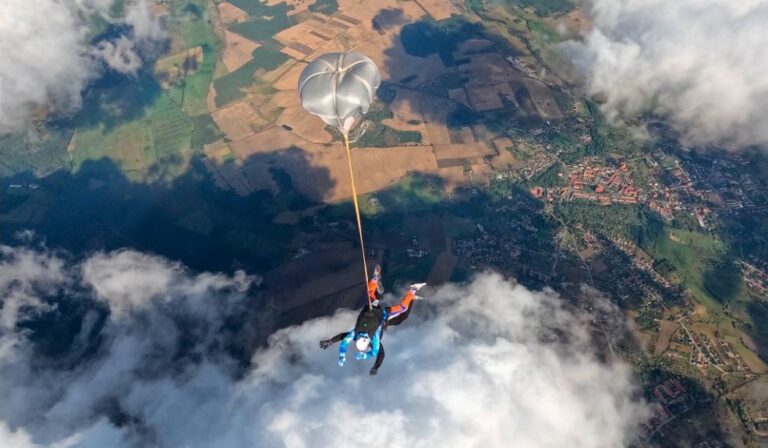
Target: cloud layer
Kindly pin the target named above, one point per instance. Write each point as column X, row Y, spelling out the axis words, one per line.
column 700, row 63
column 488, row 364
column 48, row 57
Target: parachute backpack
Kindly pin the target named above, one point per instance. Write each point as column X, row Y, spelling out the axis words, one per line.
column 369, row 321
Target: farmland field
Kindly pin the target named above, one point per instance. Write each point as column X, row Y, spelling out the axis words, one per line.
column 667, row 329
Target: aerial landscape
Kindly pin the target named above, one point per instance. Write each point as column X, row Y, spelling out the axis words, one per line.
column 581, row 185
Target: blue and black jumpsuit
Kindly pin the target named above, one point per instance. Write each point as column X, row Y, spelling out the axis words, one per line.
column 390, row 315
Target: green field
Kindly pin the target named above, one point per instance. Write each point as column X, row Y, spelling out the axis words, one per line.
column 171, row 129
column 412, row 193
column 548, row 178
column 382, row 136
column 751, row 358
column 267, row 21
column 192, row 92
column 257, row 8
column 129, row 145
column 696, row 258
column 230, row 87
column 607, row 138
column 162, row 134
column 148, row 132
column 542, row 35
column 159, row 134
column 546, row 7
column 205, row 131
column 40, row 151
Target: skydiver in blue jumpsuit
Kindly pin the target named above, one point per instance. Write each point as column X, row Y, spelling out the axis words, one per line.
column 371, row 324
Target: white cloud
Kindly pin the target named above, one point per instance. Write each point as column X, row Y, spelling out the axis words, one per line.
column 488, row 364
column 14, row 439
column 25, row 275
column 120, row 55
column 128, row 281
column 701, row 63
column 45, row 61
column 145, row 25
column 48, row 59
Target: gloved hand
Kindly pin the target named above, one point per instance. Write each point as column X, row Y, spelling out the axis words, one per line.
column 325, row 343
column 342, row 359
column 374, row 371
column 361, row 355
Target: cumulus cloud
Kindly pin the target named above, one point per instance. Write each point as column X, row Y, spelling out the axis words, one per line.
column 701, row 64
column 487, row 364
column 26, row 276
column 48, row 57
column 144, row 24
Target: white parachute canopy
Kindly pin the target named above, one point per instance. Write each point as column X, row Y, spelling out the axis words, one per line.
column 339, row 88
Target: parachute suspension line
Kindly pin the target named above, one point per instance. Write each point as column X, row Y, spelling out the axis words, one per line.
column 357, row 215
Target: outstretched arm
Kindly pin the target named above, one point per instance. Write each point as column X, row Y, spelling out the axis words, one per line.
column 325, row 343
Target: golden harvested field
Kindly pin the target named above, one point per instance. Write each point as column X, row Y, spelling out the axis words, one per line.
column 264, row 142
column 294, row 6
column 502, row 143
column 269, row 128
column 376, row 168
column 504, row 158
column 210, row 100
column 231, row 14
column 407, row 105
column 237, row 51
column 405, row 109
column 395, row 64
column 305, row 38
column 290, row 113
column 310, row 128
column 238, row 121
column 439, row 9
column 290, row 79
column 320, row 172
column 435, row 112
column 462, row 135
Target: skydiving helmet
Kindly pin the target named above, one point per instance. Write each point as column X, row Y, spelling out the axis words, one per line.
column 362, row 343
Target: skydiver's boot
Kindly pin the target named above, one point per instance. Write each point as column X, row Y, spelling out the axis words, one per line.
column 415, row 287
column 375, row 286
